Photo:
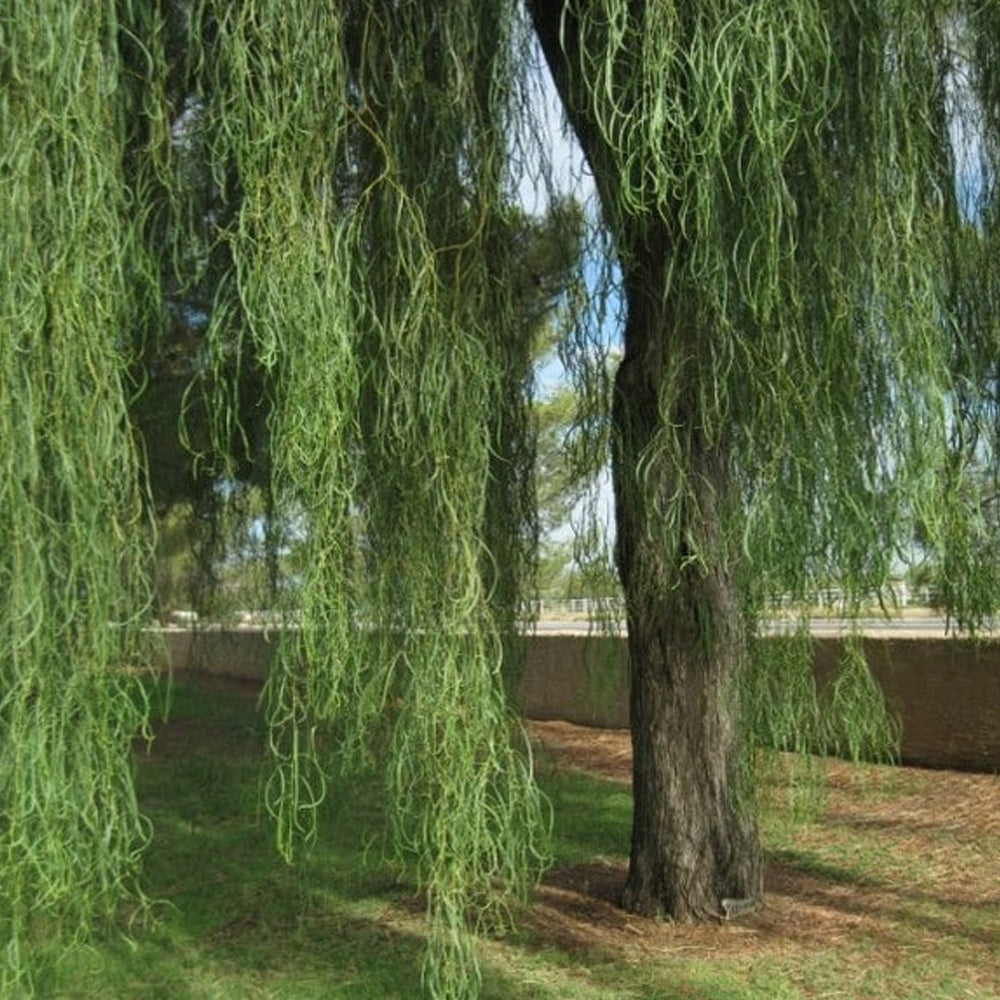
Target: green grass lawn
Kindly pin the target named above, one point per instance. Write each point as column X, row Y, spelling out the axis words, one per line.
column 233, row 922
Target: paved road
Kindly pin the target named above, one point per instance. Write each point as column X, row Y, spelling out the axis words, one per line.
column 908, row 628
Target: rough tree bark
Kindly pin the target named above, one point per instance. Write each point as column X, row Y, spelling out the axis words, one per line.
column 692, row 844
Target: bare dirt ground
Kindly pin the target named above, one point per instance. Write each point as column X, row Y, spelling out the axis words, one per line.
column 901, row 863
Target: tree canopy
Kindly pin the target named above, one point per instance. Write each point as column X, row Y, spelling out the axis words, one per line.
column 802, row 199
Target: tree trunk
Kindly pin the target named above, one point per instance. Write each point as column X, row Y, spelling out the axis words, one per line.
column 693, row 846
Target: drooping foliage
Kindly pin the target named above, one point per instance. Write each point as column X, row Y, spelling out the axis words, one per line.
column 73, row 559
column 802, row 197
column 798, row 161
column 361, row 159
column 322, row 194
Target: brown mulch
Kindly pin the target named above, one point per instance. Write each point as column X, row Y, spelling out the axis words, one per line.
column 930, row 871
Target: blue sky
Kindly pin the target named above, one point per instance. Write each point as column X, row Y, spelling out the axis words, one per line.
column 569, row 175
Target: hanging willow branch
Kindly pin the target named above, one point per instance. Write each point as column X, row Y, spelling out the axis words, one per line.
column 73, row 558
column 783, row 186
column 360, row 155
column 794, row 160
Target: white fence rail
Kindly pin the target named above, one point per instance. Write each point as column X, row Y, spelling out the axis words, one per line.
column 900, row 595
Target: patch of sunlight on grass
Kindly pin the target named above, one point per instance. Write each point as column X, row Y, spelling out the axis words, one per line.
column 592, row 817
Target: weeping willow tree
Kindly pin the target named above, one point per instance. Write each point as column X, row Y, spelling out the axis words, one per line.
column 810, row 353
column 809, row 371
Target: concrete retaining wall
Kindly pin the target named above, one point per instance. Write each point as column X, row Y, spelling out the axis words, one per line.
column 946, row 692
